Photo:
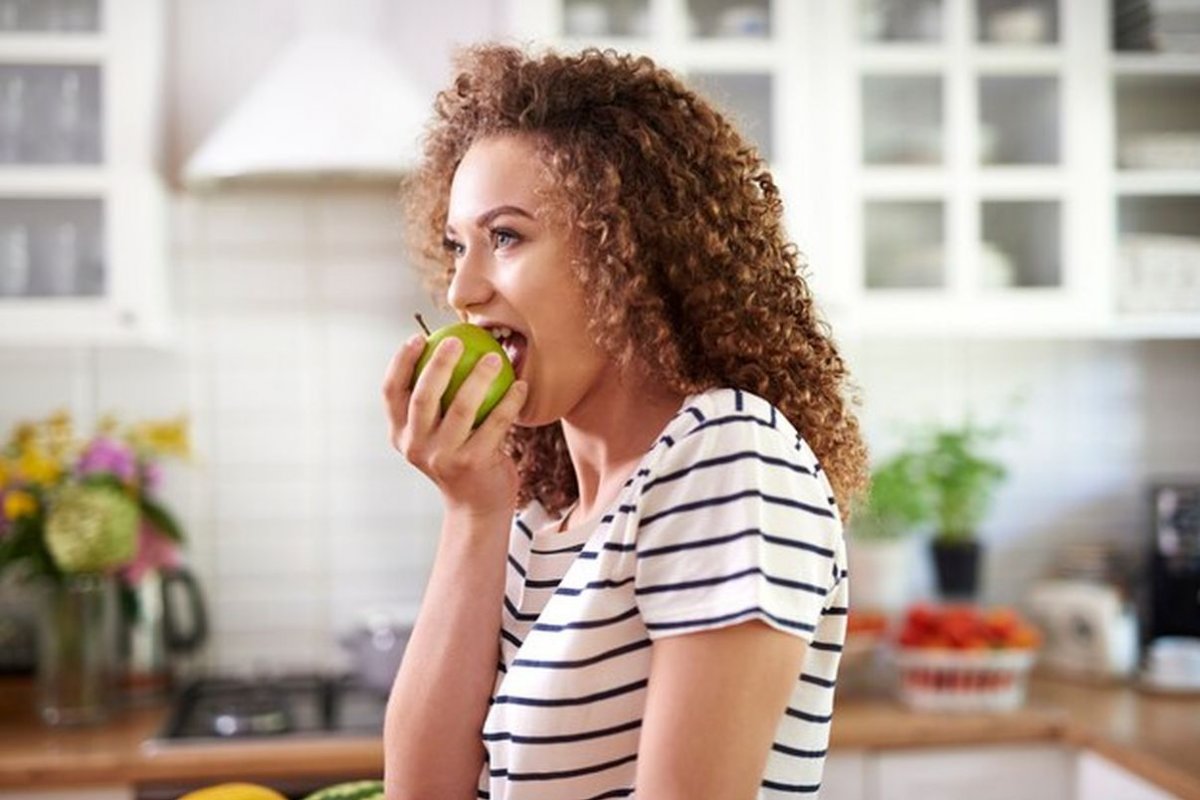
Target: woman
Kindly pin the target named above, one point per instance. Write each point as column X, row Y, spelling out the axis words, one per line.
column 640, row 583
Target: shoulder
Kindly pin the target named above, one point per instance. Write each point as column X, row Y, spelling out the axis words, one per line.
column 728, row 441
column 724, row 418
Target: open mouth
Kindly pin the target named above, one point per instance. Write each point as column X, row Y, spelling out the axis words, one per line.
column 513, row 343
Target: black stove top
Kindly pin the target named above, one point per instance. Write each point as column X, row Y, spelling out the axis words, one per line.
column 241, row 708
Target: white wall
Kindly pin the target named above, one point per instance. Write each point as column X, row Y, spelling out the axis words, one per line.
column 291, row 303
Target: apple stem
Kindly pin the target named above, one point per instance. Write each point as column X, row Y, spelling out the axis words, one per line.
column 421, row 322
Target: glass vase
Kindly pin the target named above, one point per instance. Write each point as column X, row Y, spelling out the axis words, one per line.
column 76, row 653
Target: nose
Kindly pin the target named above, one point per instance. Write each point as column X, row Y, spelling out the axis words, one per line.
column 470, row 286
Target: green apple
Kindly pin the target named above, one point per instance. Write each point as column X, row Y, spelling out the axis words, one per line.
column 476, row 344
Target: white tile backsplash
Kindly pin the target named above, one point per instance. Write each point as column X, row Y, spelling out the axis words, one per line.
column 301, row 514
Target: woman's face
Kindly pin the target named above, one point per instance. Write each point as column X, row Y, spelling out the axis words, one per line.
column 513, row 276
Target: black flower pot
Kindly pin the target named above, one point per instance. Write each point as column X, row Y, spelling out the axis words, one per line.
column 957, row 568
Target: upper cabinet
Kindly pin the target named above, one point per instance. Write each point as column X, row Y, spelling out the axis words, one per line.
column 963, row 167
column 82, row 207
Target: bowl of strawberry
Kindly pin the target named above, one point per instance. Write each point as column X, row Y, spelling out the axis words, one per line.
column 964, row 658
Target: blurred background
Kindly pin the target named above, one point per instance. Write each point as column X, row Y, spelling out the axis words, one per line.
column 999, row 201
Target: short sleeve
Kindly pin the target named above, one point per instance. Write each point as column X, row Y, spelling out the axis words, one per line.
column 736, row 522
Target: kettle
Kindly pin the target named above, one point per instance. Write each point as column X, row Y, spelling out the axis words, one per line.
column 376, row 646
column 171, row 622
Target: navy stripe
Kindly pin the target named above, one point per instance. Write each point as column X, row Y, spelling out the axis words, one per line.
column 695, row 412
column 666, row 440
column 482, row 794
column 792, row 751
column 591, row 623
column 607, row 518
column 556, row 702
column 835, row 611
column 623, row 792
column 605, row 584
column 510, row 638
column 520, row 570
column 732, row 498
column 774, row 418
column 516, row 613
column 670, row 587
column 822, row 719
column 584, row 662
column 620, row 547
column 726, row 459
column 671, row 548
column 816, row 681
column 828, row 647
column 562, row 773
column 717, row 422
column 737, row 396
column 792, row 788
column 546, row 584
column 575, row 548
column 689, row 623
column 572, row 737
column 524, row 529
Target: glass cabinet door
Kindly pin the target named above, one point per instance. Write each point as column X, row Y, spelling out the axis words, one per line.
column 52, row 116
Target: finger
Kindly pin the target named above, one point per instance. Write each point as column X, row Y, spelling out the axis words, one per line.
column 459, row 419
column 398, row 378
column 489, row 436
column 424, row 407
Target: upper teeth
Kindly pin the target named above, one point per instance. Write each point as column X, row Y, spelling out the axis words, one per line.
column 500, row 332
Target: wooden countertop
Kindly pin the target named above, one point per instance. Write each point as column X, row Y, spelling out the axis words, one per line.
column 1154, row 736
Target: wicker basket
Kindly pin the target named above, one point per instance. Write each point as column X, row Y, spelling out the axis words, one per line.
column 963, row 680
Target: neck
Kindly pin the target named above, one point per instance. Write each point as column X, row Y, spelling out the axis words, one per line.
column 609, row 433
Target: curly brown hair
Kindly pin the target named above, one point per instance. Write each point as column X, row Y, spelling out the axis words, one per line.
column 677, row 229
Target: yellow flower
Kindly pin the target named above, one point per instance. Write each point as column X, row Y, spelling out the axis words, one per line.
column 108, row 425
column 19, row 504
column 167, row 437
column 36, row 466
column 6, row 472
column 60, row 434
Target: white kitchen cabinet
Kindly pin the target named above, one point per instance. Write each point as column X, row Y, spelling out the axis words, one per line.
column 1100, row 779
column 844, row 776
column 951, row 167
column 1030, row 772
column 82, row 206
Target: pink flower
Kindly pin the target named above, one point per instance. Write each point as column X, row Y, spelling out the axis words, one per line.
column 107, row 455
column 154, row 551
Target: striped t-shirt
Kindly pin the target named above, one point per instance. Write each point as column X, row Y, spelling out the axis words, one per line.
column 728, row 518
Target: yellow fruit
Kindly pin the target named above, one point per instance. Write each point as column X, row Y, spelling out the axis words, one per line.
column 234, row 791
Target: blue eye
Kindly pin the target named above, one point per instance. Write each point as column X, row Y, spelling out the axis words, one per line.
column 502, row 237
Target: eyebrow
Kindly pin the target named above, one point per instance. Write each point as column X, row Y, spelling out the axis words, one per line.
column 486, row 217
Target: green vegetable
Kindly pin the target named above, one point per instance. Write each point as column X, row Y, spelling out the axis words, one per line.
column 355, row 790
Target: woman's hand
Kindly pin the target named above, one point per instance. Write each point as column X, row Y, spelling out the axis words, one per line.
column 469, row 466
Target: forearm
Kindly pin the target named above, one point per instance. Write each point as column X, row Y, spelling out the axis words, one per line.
column 432, row 743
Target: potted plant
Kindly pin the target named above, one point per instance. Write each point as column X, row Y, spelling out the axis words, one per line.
column 895, row 507
column 80, row 520
column 961, row 481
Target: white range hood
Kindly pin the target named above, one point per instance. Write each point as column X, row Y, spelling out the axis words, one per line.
column 333, row 105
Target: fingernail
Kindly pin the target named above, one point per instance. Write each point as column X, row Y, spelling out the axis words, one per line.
column 491, row 360
column 453, row 346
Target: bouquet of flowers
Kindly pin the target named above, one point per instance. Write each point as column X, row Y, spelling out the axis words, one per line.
column 72, row 506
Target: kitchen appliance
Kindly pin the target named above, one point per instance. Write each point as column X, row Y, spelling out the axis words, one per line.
column 1090, row 629
column 234, row 710
column 300, row 705
column 171, row 623
column 1173, row 568
column 1173, row 665
column 376, row 647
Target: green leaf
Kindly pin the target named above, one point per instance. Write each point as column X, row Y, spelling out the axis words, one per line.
column 162, row 520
